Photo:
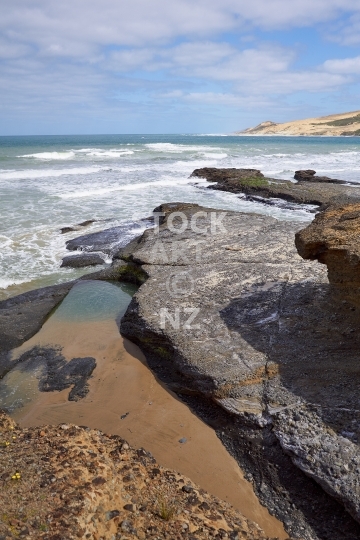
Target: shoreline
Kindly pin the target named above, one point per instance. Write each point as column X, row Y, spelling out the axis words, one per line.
column 253, row 427
column 123, row 385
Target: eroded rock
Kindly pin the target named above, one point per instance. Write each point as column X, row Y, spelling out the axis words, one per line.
column 54, row 472
column 82, row 260
column 321, row 191
column 310, row 176
column 333, row 238
column 267, row 344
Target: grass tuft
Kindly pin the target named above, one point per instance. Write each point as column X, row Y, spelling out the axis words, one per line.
column 166, row 508
column 254, row 181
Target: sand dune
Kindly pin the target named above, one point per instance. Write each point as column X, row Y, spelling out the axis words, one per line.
column 344, row 124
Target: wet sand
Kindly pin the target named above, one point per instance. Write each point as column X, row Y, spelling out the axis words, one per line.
column 153, row 417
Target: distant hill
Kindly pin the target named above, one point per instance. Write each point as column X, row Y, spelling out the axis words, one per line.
column 345, row 124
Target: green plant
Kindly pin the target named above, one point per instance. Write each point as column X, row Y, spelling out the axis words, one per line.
column 341, row 122
column 254, row 181
column 166, row 508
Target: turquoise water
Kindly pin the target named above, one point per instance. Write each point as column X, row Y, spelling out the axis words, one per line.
column 55, row 181
column 95, row 301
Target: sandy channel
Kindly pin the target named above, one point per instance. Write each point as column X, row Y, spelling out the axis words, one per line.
column 125, row 398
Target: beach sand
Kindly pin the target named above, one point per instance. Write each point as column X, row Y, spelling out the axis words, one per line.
column 153, row 417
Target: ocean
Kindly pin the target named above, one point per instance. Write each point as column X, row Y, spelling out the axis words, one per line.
column 50, row 182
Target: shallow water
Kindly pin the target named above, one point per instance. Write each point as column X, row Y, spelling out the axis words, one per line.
column 125, row 398
column 51, row 182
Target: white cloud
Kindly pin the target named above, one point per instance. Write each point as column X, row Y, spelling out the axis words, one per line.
column 265, row 69
column 83, row 55
column 348, row 66
column 77, row 27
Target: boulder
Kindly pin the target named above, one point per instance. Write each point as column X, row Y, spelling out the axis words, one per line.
column 304, row 175
column 110, row 240
column 333, row 238
column 309, row 176
column 82, row 260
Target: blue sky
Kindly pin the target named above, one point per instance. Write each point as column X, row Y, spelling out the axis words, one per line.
column 174, row 66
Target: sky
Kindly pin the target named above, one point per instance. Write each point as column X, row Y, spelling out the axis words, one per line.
column 174, row 66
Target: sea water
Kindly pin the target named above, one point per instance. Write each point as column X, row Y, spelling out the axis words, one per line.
column 50, row 182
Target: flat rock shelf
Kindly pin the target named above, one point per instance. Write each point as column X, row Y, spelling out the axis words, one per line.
column 269, row 345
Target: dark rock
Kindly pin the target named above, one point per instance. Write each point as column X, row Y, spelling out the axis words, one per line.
column 110, row 240
column 22, row 316
column 253, row 182
column 81, row 260
column 56, row 374
column 309, row 176
column 65, row 230
column 130, row 507
column 87, row 222
column 98, row 481
column 111, row 514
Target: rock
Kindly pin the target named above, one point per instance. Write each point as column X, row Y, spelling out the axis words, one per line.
column 87, row 222
column 82, row 504
column 22, row 316
column 333, row 239
column 56, row 372
column 65, row 230
column 110, row 240
column 309, row 176
column 231, row 312
column 81, row 260
column 253, row 182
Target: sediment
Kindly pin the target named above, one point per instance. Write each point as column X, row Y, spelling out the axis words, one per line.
column 70, row 482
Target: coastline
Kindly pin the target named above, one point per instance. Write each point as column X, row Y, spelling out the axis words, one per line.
column 253, row 261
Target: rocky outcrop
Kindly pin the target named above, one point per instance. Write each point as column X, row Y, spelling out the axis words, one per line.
column 310, row 176
column 333, row 239
column 82, row 260
column 109, row 241
column 70, row 482
column 232, row 315
column 22, row 316
column 321, row 191
column 74, row 228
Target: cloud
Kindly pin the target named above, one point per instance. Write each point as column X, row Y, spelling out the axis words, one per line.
column 348, row 66
column 78, row 28
column 78, row 57
column 264, row 69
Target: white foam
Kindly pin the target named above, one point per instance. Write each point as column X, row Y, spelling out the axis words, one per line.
column 50, row 155
column 127, row 187
column 109, row 153
column 179, row 148
column 214, row 156
column 5, row 283
column 47, row 173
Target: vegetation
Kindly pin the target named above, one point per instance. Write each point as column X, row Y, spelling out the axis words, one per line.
column 349, row 133
column 132, row 273
column 166, row 508
column 342, row 122
column 254, row 181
